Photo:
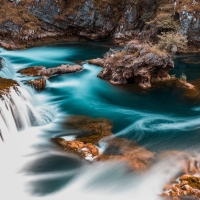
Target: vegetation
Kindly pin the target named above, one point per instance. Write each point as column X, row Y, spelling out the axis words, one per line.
column 171, row 42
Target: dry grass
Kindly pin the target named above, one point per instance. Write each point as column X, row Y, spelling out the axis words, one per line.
column 191, row 7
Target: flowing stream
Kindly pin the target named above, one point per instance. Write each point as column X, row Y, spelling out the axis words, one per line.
column 32, row 168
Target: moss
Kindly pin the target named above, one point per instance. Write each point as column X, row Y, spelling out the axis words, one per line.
column 5, row 84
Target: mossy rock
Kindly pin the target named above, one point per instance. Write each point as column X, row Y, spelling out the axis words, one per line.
column 6, row 84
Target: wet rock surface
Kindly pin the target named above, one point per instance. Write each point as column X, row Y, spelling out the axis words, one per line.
column 137, row 63
column 38, row 84
column 95, row 132
column 187, row 184
column 42, row 71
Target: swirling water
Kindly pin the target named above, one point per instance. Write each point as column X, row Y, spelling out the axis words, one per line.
column 159, row 120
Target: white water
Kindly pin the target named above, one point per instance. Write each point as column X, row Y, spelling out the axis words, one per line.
column 7, row 71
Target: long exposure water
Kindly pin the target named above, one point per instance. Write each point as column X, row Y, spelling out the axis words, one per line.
column 32, row 168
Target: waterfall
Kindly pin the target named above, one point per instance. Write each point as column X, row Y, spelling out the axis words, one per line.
column 7, row 70
column 18, row 111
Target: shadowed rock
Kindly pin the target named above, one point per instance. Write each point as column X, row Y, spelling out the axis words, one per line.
column 42, row 71
column 38, row 84
column 137, row 63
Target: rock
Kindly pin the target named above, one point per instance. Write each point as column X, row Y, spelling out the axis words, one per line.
column 6, row 84
column 7, row 44
column 94, row 132
column 98, row 61
column 136, row 157
column 42, row 71
column 186, row 186
column 136, row 63
column 38, row 84
column 86, row 151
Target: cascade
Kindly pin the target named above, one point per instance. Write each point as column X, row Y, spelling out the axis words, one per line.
column 17, row 108
column 17, row 112
column 7, row 70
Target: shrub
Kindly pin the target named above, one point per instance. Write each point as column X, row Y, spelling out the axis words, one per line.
column 183, row 78
column 171, row 42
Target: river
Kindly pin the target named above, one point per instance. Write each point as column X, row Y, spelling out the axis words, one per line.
column 159, row 120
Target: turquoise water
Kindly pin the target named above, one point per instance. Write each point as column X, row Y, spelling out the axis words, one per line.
column 157, row 119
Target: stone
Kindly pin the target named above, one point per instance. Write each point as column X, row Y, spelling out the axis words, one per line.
column 94, row 132
column 98, row 61
column 86, row 151
column 48, row 72
column 6, row 84
column 38, row 84
column 137, row 63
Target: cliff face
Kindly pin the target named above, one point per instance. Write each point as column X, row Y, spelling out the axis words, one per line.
column 92, row 19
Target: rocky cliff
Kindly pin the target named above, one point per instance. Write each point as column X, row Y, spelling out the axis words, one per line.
column 93, row 19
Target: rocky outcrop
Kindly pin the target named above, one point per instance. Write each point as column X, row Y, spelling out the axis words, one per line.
column 38, row 84
column 42, row 71
column 136, row 63
column 91, row 19
column 189, row 17
column 95, row 132
column 34, row 20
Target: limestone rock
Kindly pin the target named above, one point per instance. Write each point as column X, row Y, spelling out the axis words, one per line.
column 136, row 63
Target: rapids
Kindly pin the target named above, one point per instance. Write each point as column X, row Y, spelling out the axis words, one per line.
column 31, row 166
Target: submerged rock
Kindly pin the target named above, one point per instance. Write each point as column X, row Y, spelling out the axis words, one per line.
column 38, row 84
column 42, row 71
column 136, row 63
column 94, row 132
